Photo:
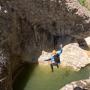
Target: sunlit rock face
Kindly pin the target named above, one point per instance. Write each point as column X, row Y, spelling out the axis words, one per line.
column 87, row 4
column 72, row 56
column 77, row 85
column 88, row 41
column 44, row 56
column 44, row 24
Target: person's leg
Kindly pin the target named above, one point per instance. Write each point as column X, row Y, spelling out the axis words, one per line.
column 57, row 65
column 59, row 61
column 51, row 67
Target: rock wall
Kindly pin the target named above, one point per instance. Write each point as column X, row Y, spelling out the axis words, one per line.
column 50, row 21
column 54, row 16
column 5, row 71
column 87, row 4
column 78, row 85
column 30, row 26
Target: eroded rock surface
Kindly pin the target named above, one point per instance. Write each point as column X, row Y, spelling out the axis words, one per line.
column 78, row 85
column 72, row 56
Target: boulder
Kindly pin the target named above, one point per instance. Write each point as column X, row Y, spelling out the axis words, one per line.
column 44, row 56
column 78, row 85
column 73, row 56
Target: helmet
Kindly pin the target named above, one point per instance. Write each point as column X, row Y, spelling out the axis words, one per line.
column 54, row 52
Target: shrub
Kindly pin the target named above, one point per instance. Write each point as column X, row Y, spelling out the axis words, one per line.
column 82, row 2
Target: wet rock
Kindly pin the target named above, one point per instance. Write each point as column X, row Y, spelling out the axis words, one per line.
column 87, row 4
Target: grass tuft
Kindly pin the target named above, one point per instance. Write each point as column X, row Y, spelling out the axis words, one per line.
column 82, row 2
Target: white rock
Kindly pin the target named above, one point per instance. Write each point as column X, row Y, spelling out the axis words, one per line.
column 74, row 56
column 0, row 8
column 5, row 11
column 88, row 41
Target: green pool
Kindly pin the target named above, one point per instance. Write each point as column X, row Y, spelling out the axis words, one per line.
column 40, row 77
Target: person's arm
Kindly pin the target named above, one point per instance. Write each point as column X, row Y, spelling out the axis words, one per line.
column 59, row 52
column 47, row 60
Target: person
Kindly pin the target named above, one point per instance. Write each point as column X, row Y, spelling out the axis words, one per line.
column 55, row 58
column 52, row 60
column 57, row 55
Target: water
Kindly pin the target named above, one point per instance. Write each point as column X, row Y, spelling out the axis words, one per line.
column 40, row 77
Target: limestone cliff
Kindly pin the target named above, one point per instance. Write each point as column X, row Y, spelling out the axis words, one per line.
column 29, row 26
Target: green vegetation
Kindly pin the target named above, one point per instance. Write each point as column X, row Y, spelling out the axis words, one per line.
column 85, row 3
column 82, row 2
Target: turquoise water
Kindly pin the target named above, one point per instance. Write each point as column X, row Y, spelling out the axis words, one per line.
column 40, row 77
